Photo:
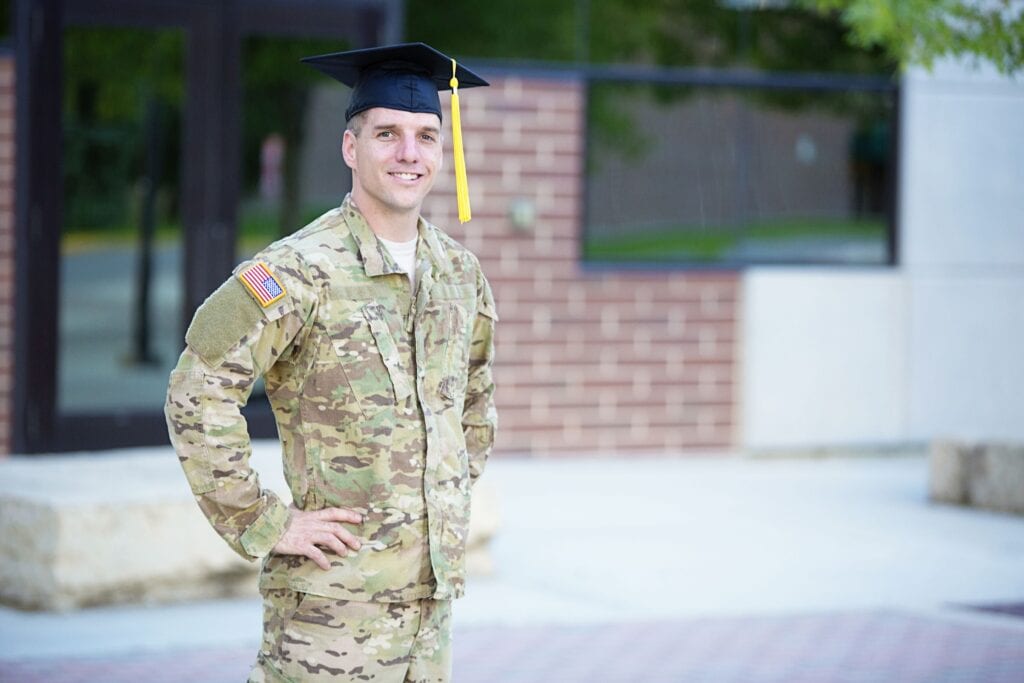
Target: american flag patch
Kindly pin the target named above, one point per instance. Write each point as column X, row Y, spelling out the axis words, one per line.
column 258, row 279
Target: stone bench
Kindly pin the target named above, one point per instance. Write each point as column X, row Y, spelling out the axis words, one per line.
column 101, row 528
column 981, row 474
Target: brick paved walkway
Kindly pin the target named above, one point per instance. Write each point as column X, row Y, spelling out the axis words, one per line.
column 877, row 646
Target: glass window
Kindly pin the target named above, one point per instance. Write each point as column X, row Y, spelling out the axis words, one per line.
column 293, row 119
column 714, row 175
column 120, row 277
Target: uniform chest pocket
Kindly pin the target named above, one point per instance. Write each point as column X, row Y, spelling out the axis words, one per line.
column 369, row 356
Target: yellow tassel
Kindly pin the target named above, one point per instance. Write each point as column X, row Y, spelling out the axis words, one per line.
column 461, row 182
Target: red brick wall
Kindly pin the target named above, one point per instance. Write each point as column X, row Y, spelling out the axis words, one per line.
column 591, row 361
column 6, row 248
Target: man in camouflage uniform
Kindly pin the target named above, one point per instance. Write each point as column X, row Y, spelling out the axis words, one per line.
column 380, row 382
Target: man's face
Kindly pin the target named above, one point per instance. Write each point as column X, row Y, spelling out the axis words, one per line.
column 394, row 159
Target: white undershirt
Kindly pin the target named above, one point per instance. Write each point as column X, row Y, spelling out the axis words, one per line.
column 404, row 254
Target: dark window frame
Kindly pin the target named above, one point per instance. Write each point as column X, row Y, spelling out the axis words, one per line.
column 752, row 80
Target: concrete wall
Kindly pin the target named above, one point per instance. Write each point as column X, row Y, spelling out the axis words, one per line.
column 928, row 349
column 824, row 357
column 963, row 253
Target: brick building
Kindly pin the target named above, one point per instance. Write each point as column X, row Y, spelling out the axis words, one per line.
column 592, row 358
column 588, row 360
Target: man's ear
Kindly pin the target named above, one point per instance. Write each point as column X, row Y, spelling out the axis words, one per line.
column 348, row 148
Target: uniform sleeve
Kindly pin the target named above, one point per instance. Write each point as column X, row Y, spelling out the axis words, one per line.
column 479, row 416
column 231, row 342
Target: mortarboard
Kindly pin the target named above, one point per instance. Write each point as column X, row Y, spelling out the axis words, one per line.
column 406, row 77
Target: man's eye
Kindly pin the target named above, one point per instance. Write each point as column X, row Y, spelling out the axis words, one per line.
column 427, row 137
column 385, row 134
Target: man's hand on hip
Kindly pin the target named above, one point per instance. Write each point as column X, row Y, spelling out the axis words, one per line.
column 308, row 530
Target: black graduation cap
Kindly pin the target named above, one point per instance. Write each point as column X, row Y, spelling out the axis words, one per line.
column 406, row 76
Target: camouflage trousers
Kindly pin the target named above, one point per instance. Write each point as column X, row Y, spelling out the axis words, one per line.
column 311, row 638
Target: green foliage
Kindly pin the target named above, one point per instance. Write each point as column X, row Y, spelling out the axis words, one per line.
column 502, row 29
column 922, row 31
column 709, row 33
column 276, row 86
column 850, row 36
column 111, row 77
column 6, row 18
column 610, row 122
column 109, row 72
column 277, row 89
column 653, row 32
column 677, row 33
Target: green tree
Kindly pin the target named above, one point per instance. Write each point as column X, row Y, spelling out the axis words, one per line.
column 112, row 78
column 671, row 33
column 653, row 32
column 277, row 91
column 853, row 36
column 923, row 31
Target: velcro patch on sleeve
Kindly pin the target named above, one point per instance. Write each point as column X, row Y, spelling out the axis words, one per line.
column 224, row 319
column 261, row 283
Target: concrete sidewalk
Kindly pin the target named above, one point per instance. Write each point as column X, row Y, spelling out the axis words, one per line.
column 704, row 569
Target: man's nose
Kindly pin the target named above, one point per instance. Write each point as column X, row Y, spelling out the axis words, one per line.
column 408, row 150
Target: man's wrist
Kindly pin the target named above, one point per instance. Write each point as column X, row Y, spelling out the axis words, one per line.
column 262, row 535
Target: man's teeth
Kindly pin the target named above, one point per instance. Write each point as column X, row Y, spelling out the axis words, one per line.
column 406, row 176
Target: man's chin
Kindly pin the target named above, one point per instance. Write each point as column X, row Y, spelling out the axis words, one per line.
column 397, row 202
column 407, row 201
column 402, row 208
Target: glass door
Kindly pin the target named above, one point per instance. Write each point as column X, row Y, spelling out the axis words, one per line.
column 165, row 140
column 115, row 210
column 121, row 277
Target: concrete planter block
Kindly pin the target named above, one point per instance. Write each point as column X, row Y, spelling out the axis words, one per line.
column 984, row 475
column 947, row 472
column 484, row 520
column 78, row 531
column 997, row 478
column 122, row 527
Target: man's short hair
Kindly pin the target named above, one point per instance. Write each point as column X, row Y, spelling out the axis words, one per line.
column 355, row 124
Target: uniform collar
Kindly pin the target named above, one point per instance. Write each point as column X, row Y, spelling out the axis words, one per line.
column 376, row 258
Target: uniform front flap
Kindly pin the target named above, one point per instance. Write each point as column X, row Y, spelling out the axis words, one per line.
column 377, row 317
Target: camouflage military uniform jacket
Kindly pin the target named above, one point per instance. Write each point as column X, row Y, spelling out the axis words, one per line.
column 382, row 398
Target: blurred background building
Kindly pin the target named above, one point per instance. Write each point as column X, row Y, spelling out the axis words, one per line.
column 709, row 225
